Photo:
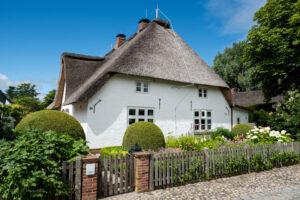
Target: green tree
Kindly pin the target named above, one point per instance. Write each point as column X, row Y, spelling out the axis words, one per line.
column 231, row 66
column 48, row 99
column 22, row 90
column 273, row 46
column 25, row 95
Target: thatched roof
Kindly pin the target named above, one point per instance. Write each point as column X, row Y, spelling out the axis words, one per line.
column 250, row 98
column 156, row 52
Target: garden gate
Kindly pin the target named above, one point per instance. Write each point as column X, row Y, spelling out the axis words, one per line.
column 116, row 175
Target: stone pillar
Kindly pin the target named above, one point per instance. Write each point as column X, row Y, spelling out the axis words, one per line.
column 142, row 171
column 89, row 179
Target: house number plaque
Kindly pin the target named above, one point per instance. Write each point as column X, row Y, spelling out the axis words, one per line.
column 90, row 169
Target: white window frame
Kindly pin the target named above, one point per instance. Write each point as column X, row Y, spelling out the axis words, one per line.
column 200, row 117
column 137, row 116
column 142, row 87
column 202, row 93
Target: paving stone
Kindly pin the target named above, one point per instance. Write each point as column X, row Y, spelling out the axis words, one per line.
column 277, row 184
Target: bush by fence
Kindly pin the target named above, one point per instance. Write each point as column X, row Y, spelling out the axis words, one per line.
column 169, row 169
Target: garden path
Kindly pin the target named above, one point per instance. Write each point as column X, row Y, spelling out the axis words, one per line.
column 276, row 184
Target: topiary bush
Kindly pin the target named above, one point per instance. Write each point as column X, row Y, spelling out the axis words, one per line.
column 51, row 120
column 147, row 135
column 242, row 129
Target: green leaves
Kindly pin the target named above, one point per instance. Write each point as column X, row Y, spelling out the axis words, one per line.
column 30, row 166
column 273, row 47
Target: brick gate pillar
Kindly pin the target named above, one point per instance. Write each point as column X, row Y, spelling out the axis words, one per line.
column 89, row 177
column 142, row 171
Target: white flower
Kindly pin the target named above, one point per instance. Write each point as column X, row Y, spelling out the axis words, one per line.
column 254, row 137
column 283, row 132
column 267, row 128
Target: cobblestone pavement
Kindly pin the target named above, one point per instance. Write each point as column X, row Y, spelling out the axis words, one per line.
column 281, row 183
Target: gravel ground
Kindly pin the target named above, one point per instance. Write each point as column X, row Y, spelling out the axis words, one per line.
column 281, row 183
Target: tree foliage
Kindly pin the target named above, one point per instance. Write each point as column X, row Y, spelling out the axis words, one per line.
column 48, row 99
column 30, row 166
column 273, row 47
column 231, row 66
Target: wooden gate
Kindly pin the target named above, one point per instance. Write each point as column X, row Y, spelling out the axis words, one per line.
column 116, row 175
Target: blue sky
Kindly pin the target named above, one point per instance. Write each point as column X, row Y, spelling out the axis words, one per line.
column 34, row 33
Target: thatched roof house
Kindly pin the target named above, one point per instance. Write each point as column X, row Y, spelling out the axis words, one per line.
column 156, row 51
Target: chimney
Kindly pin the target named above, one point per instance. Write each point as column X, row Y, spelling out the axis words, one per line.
column 120, row 39
column 142, row 24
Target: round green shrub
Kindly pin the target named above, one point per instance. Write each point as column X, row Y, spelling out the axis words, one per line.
column 147, row 135
column 242, row 129
column 51, row 120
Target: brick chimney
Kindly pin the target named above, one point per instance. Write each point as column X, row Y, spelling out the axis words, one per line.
column 120, row 39
column 142, row 24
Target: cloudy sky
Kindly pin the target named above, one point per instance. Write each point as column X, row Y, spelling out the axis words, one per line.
column 34, row 33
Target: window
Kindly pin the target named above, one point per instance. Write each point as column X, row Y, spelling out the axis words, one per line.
column 142, row 87
column 140, row 115
column 203, row 93
column 238, row 120
column 202, row 122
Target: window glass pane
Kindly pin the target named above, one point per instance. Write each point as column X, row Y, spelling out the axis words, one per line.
column 205, row 95
column 200, row 92
column 203, row 113
column 138, row 86
column 150, row 120
column 209, row 121
column 202, row 121
column 141, row 112
column 208, row 127
column 145, row 87
column 196, row 121
column 141, row 120
column 208, row 114
column 131, row 121
column 196, row 127
column 131, row 111
column 196, row 114
column 202, row 126
column 150, row 112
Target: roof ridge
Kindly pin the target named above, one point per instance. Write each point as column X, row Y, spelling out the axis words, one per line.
column 81, row 56
column 105, row 67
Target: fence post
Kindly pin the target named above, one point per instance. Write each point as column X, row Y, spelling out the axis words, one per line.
column 142, row 171
column 206, row 163
column 89, row 177
column 78, row 178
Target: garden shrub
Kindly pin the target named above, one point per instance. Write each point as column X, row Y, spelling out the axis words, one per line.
column 223, row 132
column 112, row 151
column 284, row 159
column 147, row 135
column 258, row 163
column 30, row 166
column 52, row 120
column 194, row 143
column 241, row 129
column 264, row 135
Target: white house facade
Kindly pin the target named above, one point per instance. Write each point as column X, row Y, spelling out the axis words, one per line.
column 153, row 76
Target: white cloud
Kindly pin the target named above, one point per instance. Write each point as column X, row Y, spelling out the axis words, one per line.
column 4, row 81
column 233, row 16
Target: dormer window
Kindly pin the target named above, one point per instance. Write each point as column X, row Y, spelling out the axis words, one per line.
column 142, row 87
column 202, row 93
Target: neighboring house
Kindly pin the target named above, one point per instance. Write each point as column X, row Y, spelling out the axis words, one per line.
column 245, row 100
column 4, row 100
column 152, row 76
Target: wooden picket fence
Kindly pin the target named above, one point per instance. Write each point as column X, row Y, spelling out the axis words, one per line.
column 116, row 175
column 72, row 177
column 168, row 169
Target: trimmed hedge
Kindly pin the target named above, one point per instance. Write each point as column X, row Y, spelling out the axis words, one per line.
column 52, row 120
column 147, row 135
column 223, row 132
column 242, row 129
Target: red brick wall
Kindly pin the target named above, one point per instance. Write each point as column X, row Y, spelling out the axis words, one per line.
column 142, row 170
column 89, row 183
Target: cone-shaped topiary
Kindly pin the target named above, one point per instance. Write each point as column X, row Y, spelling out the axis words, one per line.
column 57, row 121
column 242, row 129
column 147, row 135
